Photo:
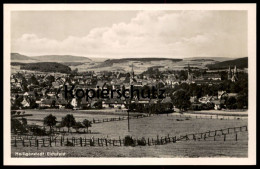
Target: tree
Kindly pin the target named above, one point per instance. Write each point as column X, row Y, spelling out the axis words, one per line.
column 68, row 121
column 24, row 121
column 33, row 80
column 17, row 126
column 87, row 124
column 242, row 101
column 231, row 103
column 53, row 103
column 98, row 104
column 50, row 121
column 24, row 84
column 78, row 126
column 181, row 99
column 49, row 80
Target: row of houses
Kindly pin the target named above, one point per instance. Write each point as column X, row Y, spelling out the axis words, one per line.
column 217, row 101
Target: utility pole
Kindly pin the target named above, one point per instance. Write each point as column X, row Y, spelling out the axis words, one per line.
column 128, row 121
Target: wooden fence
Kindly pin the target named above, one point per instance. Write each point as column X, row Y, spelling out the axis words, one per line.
column 220, row 117
column 32, row 141
column 121, row 118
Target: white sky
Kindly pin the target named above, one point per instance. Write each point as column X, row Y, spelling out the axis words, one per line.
column 130, row 33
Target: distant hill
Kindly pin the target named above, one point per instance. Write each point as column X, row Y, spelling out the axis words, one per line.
column 110, row 62
column 240, row 63
column 61, row 58
column 201, row 58
column 17, row 56
column 43, row 67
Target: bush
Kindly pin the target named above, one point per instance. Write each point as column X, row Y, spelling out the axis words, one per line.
column 141, row 142
column 69, row 144
column 38, row 131
column 92, row 143
column 129, row 141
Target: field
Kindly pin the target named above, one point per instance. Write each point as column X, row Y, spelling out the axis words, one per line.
column 151, row 127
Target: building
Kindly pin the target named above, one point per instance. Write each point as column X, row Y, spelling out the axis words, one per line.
column 233, row 74
column 191, row 77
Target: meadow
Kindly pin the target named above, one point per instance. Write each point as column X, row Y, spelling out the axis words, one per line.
column 150, row 127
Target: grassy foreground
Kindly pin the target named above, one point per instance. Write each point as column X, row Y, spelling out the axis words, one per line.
column 150, row 127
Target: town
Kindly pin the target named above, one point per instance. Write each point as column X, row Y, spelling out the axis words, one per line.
column 187, row 89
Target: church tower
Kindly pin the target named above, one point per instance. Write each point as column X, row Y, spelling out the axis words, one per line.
column 235, row 74
column 229, row 73
column 132, row 75
column 190, row 75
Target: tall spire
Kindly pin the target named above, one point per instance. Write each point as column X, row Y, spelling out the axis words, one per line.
column 229, row 73
column 235, row 69
column 132, row 70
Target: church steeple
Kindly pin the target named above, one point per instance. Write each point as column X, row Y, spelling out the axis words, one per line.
column 229, row 73
column 132, row 75
column 188, row 68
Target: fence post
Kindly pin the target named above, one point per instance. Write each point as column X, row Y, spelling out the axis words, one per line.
column 37, row 143
column 50, row 142
column 194, row 137
column 61, row 141
column 224, row 137
column 215, row 138
column 15, row 142
column 106, row 141
column 236, row 136
column 148, row 142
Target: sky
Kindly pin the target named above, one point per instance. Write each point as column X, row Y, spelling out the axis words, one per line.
column 120, row 34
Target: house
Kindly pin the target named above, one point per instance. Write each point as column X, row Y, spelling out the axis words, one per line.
column 193, row 99
column 46, row 103
column 218, row 103
column 167, row 103
column 205, row 99
column 74, row 103
column 211, row 77
column 61, row 102
column 84, row 104
column 55, row 85
column 25, row 102
column 113, row 103
column 222, row 94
